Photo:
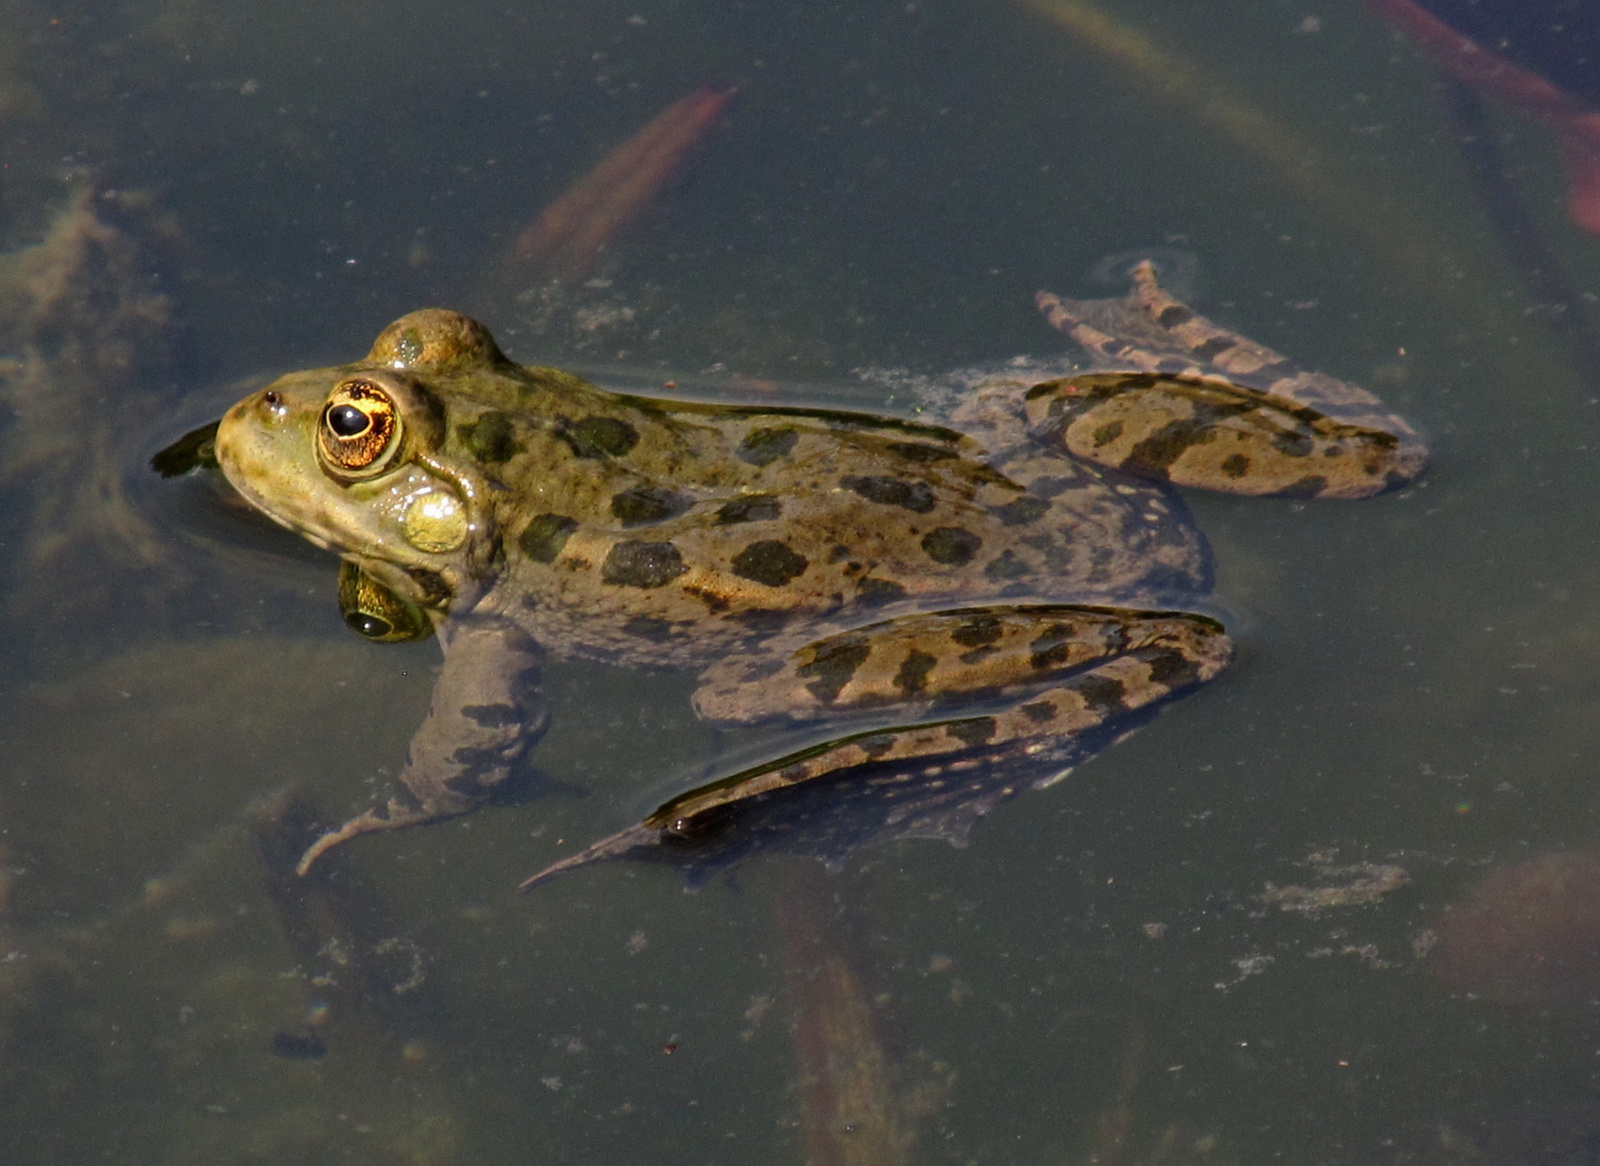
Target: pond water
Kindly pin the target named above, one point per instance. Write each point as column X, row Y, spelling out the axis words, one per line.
column 1113, row 970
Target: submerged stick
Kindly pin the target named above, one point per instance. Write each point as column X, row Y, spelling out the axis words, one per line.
column 570, row 236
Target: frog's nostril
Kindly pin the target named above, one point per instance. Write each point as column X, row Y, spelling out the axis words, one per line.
column 270, row 399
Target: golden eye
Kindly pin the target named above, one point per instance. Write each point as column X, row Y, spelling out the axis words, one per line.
column 360, row 429
column 372, row 610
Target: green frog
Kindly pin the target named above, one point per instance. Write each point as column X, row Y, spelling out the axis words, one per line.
column 968, row 606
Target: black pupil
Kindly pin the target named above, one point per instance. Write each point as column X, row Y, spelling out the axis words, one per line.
column 368, row 625
column 347, row 420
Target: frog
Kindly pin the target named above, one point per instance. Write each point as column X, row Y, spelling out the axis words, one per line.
column 954, row 607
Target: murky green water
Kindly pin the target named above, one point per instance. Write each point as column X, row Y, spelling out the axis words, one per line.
column 1097, row 977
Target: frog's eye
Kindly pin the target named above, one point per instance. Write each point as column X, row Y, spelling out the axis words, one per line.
column 359, row 433
column 372, row 610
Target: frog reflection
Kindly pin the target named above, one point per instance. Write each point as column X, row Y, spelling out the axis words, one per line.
column 992, row 598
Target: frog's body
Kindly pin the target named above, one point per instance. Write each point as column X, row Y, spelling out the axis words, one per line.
column 809, row 563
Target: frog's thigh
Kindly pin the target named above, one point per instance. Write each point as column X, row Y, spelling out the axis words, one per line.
column 1215, row 435
column 913, row 659
column 1083, row 668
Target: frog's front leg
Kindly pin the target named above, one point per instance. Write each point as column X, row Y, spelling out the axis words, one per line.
column 1044, row 676
column 1210, row 408
column 487, row 711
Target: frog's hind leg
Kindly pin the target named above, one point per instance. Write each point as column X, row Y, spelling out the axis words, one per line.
column 1088, row 669
column 915, row 663
column 1207, row 407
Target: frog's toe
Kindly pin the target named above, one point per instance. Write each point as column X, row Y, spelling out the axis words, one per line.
column 396, row 815
column 619, row 845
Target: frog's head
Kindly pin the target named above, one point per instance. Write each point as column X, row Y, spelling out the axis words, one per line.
column 354, row 459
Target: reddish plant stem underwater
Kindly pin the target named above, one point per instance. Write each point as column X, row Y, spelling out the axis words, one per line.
column 850, row 1111
column 1466, row 60
column 568, row 238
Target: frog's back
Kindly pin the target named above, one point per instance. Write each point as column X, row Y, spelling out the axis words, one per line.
column 666, row 532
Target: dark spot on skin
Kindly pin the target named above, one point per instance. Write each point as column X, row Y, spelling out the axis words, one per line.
column 1054, row 646
column 913, row 674
column 840, row 552
column 545, row 535
column 492, row 716
column 976, row 654
column 476, row 763
column 770, row 562
column 1291, row 444
column 1005, row 565
column 1173, row 669
column 1214, row 347
column 762, row 447
column 951, row 545
column 751, row 508
column 598, row 437
column 972, row 732
column 915, row 451
column 1235, row 465
column 1039, row 711
column 714, row 602
column 913, row 496
column 1108, row 433
column 1307, row 487
column 491, row 438
column 1154, row 454
column 985, row 475
column 1172, row 316
column 1101, row 694
column 761, row 619
column 639, row 505
column 978, row 631
column 832, row 667
column 1021, row 512
column 634, row 563
column 877, row 591
column 876, row 746
column 648, row 627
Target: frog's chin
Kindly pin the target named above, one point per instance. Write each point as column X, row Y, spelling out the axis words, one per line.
column 307, row 530
column 311, row 536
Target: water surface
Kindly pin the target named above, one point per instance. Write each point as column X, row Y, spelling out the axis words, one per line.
column 1103, row 974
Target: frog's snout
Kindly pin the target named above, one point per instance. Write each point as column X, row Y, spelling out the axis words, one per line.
column 249, row 440
column 266, row 407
